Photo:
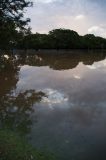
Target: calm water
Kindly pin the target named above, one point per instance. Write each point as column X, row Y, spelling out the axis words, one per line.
column 58, row 101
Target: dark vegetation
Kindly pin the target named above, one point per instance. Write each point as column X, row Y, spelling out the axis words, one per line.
column 55, row 39
column 61, row 39
column 15, row 32
column 13, row 25
column 12, row 147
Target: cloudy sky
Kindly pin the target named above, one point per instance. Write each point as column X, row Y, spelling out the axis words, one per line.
column 83, row 16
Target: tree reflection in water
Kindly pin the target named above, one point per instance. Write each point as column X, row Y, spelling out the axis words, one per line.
column 15, row 109
column 80, row 126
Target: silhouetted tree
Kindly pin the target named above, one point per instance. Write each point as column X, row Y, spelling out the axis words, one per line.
column 64, row 38
column 12, row 21
column 61, row 39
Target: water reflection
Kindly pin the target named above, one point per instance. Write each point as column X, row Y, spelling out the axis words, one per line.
column 59, row 100
column 55, row 61
column 54, row 97
column 16, row 110
column 15, row 107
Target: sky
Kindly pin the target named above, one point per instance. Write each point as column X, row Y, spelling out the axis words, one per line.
column 83, row 16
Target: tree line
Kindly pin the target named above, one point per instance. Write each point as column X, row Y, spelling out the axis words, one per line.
column 61, row 39
column 55, row 39
column 15, row 32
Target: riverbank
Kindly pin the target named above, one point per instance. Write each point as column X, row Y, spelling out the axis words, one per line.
column 14, row 147
column 50, row 51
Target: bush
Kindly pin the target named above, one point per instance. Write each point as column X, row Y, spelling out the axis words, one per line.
column 12, row 147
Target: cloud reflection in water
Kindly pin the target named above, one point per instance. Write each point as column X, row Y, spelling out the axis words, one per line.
column 54, row 97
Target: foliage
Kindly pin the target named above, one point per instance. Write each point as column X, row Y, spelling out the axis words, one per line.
column 61, row 39
column 12, row 147
column 14, row 32
column 12, row 21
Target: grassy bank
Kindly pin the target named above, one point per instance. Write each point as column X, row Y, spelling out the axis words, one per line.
column 13, row 147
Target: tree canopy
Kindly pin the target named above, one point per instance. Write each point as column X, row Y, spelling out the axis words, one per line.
column 14, row 32
column 62, row 39
column 12, row 20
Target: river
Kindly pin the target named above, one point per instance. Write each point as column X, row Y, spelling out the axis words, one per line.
column 57, row 100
